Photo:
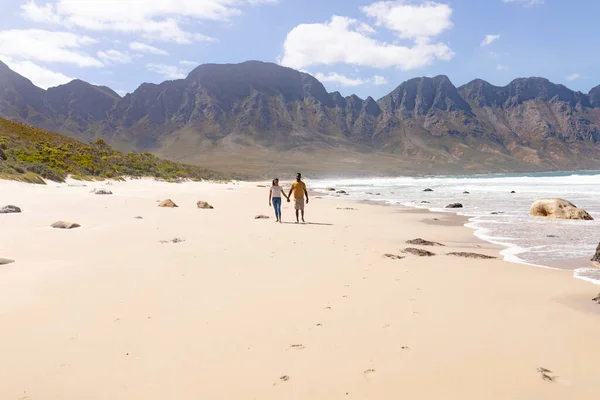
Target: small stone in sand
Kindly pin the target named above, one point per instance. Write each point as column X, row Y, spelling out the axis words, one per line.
column 369, row 371
column 204, row 205
column 472, row 255
column 262, row 217
column 297, row 346
column 330, row 189
column 341, row 192
column 418, row 252
column 101, row 191
column 513, row 192
column 284, row 378
column 393, row 256
column 454, row 205
column 168, row 204
column 10, row 210
column 425, row 202
column 346, row 208
column 4, row 261
column 466, row 193
column 597, row 299
column 428, row 190
column 65, row 225
column 497, row 213
column 174, row 240
column 139, row 217
column 423, row 242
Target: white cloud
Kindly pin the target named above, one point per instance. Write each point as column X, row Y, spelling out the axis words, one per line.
column 188, row 63
column 527, row 3
column 40, row 76
column 114, row 57
column 342, row 41
column 411, row 21
column 379, row 80
column 502, row 67
column 48, row 46
column 489, row 39
column 43, row 13
column 168, row 71
column 152, row 19
column 342, row 80
column 146, row 48
column 573, row 77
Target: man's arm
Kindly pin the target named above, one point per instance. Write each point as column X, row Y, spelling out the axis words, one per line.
column 306, row 193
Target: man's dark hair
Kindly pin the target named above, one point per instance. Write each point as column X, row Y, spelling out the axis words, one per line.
column 298, row 175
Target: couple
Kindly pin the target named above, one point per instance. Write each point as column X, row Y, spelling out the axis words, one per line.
column 299, row 189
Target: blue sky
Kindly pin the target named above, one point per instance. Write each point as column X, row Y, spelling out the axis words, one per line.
column 361, row 47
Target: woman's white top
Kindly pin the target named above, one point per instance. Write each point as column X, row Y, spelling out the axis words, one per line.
column 276, row 191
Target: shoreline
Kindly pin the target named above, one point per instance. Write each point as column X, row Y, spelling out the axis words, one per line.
column 575, row 264
column 510, row 252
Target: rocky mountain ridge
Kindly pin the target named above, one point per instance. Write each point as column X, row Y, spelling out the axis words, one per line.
column 262, row 117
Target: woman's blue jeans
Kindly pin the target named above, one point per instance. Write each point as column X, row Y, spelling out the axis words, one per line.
column 277, row 207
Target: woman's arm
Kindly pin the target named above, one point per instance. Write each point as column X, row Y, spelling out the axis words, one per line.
column 270, row 194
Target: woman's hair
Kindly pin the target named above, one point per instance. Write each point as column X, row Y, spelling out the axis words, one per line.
column 274, row 181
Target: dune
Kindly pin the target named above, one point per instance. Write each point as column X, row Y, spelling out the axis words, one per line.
column 247, row 309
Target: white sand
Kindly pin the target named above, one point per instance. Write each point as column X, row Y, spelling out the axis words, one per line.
column 107, row 312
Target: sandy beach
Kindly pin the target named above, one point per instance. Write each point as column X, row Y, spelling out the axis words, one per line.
column 245, row 308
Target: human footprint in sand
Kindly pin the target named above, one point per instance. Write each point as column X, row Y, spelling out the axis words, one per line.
column 275, row 198
column 299, row 189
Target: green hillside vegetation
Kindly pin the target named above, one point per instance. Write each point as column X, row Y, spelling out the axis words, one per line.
column 29, row 154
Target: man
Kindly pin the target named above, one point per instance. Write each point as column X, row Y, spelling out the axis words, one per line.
column 299, row 189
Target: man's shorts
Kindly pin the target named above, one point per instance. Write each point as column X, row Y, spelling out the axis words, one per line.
column 299, row 203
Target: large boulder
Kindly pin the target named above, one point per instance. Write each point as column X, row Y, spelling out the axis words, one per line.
column 596, row 257
column 454, row 205
column 168, row 203
column 558, row 208
column 10, row 210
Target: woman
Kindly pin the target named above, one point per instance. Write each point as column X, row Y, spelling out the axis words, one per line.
column 275, row 194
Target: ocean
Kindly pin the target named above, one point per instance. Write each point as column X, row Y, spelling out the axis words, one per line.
column 499, row 216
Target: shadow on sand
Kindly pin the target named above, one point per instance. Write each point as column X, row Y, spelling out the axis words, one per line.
column 308, row 223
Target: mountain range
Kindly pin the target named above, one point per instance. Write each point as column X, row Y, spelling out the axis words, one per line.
column 263, row 118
